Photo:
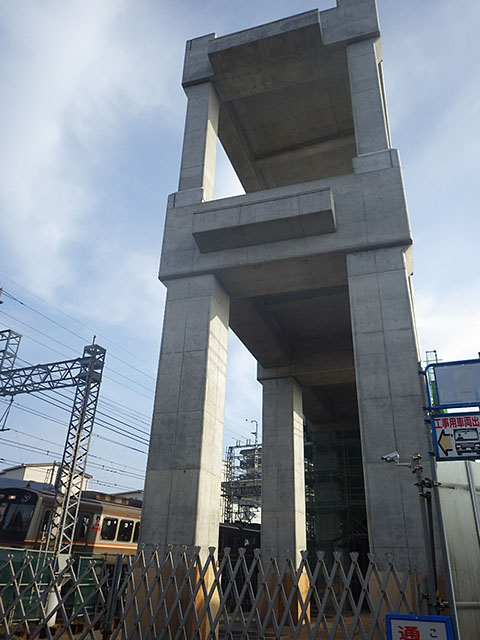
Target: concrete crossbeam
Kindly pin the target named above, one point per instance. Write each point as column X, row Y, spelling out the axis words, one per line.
column 258, row 222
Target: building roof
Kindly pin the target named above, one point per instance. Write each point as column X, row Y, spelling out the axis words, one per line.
column 34, row 465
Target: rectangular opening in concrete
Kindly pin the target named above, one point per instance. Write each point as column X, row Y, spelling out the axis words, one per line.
column 307, row 335
column 289, row 105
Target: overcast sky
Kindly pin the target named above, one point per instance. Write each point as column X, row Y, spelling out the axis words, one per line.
column 91, row 122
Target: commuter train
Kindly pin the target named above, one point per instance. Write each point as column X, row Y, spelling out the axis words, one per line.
column 106, row 524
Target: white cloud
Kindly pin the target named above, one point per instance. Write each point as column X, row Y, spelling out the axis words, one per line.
column 74, row 74
column 449, row 323
column 128, row 293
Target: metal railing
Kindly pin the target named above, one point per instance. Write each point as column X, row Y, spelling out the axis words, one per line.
column 190, row 594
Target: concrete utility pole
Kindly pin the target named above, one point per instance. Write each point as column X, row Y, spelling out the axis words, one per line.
column 311, row 269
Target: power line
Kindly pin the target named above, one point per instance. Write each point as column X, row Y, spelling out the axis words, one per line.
column 77, row 335
column 92, row 331
column 66, row 407
column 90, row 455
column 64, row 424
column 114, row 371
column 232, row 433
column 104, row 484
column 144, row 418
column 147, row 422
column 100, row 421
column 115, row 486
column 49, row 453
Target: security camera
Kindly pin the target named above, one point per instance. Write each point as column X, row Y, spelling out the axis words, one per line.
column 394, row 456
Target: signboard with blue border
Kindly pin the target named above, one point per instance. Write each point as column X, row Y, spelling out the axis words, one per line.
column 455, row 384
column 456, row 436
column 411, row 627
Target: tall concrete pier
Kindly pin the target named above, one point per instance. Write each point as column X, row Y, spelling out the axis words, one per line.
column 311, row 269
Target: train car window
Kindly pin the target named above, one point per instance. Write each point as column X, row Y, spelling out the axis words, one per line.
column 17, row 507
column 109, row 529
column 125, row 530
column 136, row 531
column 81, row 530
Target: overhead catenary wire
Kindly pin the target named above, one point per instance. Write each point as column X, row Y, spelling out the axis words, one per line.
column 64, row 424
column 106, row 417
column 113, row 486
column 75, row 351
column 77, row 335
column 91, row 455
column 229, row 431
column 104, row 375
column 92, row 481
column 58, row 455
column 92, row 331
column 98, row 421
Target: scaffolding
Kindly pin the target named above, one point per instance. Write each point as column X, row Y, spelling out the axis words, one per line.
column 334, row 489
column 242, row 485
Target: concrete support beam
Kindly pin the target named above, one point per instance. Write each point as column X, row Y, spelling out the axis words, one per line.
column 389, row 399
column 283, row 476
column 182, row 490
column 197, row 169
column 368, row 98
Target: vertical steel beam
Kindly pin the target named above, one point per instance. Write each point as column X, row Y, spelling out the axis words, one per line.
column 9, row 343
column 70, row 477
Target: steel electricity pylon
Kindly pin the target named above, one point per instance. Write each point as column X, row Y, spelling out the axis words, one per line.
column 85, row 374
column 9, row 343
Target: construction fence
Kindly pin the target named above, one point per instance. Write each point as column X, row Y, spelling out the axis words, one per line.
column 192, row 594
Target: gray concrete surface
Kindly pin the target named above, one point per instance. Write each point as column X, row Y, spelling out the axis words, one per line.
column 311, row 269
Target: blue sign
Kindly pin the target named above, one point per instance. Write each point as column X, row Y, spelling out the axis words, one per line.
column 411, row 627
column 455, row 385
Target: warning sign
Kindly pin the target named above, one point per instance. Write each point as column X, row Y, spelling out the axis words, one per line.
column 456, row 436
column 412, row 627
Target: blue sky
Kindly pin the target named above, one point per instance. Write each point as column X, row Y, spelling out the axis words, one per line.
column 91, row 122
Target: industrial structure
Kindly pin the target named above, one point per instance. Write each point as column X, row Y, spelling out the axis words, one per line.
column 242, row 483
column 311, row 269
column 85, row 374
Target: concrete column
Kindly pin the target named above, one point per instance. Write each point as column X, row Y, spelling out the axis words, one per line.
column 182, row 489
column 197, row 169
column 283, row 472
column 368, row 97
column 389, row 399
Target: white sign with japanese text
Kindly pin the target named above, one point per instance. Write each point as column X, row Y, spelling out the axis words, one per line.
column 403, row 627
column 456, row 436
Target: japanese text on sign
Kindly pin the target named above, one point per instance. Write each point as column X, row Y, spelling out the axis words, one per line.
column 453, row 421
column 456, row 436
column 404, row 627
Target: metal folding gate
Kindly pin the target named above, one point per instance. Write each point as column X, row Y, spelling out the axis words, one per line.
column 190, row 594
